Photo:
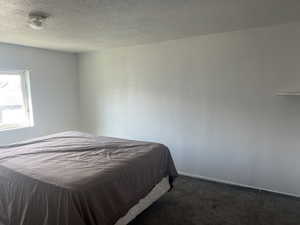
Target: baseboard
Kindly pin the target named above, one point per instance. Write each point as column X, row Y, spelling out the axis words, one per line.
column 237, row 184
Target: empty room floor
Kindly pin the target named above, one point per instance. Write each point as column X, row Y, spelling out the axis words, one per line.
column 198, row 202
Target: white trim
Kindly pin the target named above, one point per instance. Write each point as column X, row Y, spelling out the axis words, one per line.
column 288, row 93
column 13, row 127
column 236, row 184
column 27, row 96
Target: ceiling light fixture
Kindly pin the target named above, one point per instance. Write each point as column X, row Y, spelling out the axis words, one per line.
column 37, row 20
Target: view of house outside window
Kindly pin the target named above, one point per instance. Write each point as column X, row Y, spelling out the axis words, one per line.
column 15, row 108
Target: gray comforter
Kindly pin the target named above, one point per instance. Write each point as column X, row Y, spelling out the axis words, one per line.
column 74, row 178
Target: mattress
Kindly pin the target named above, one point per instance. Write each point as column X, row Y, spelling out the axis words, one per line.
column 156, row 193
column 79, row 179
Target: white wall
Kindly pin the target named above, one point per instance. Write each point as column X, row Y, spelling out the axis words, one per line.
column 54, row 89
column 211, row 99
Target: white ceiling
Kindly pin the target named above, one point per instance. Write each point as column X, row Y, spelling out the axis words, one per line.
column 82, row 25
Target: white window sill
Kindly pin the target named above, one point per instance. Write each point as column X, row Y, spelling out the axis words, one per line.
column 13, row 127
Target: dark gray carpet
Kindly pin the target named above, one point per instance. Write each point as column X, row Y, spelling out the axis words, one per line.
column 198, row 202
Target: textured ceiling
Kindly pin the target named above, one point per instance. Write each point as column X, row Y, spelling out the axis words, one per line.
column 82, row 25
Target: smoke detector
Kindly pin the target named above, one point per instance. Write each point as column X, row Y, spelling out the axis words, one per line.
column 37, row 20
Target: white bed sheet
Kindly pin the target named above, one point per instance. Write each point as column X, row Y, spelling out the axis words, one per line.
column 158, row 191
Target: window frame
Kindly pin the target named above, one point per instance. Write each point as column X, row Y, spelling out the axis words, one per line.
column 26, row 94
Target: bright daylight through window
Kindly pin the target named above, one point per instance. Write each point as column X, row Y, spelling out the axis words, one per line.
column 15, row 102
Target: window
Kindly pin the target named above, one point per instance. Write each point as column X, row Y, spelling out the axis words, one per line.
column 15, row 101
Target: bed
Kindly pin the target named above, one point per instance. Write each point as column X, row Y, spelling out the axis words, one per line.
column 74, row 178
